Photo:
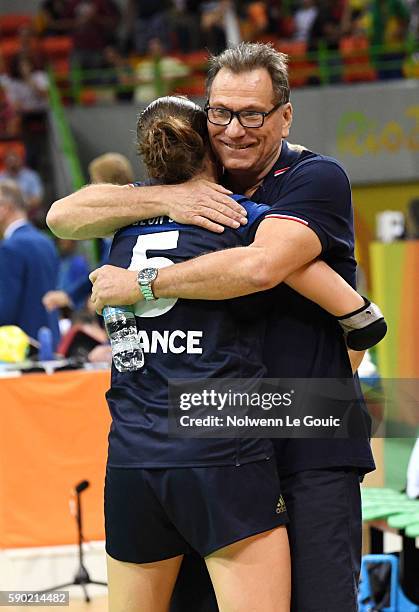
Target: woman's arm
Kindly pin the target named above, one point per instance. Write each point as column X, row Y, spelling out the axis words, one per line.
column 362, row 322
column 322, row 285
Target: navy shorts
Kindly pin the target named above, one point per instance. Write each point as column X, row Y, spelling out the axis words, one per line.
column 156, row 514
column 324, row 509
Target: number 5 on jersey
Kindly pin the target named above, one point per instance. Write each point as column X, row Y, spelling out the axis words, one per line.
column 158, row 241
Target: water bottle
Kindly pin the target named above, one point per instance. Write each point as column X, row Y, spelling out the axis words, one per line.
column 46, row 351
column 121, row 327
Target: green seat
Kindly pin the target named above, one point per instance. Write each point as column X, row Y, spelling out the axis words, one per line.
column 413, row 530
column 402, row 520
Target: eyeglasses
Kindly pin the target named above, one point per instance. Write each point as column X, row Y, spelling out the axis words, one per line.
column 248, row 119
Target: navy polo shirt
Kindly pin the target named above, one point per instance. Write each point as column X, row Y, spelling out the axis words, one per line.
column 303, row 340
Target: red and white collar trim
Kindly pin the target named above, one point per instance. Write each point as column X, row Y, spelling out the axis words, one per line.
column 288, row 217
column 281, row 171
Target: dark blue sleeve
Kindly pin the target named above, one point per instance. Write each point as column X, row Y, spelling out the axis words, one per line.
column 255, row 214
column 11, row 279
column 318, row 194
column 79, row 291
column 81, row 288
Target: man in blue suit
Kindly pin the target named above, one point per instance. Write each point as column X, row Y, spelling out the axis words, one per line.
column 28, row 267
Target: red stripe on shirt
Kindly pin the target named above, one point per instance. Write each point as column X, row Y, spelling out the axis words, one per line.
column 289, row 217
column 281, row 171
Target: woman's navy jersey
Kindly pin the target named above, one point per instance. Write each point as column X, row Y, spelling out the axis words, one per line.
column 191, row 339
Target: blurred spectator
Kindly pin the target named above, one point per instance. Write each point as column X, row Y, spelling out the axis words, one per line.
column 258, row 16
column 412, row 220
column 390, row 21
column 185, row 24
column 28, row 267
column 413, row 8
column 158, row 73
column 30, row 47
column 325, row 34
column 108, row 168
column 280, row 21
column 73, row 272
column 304, row 18
column 9, row 118
column 120, row 74
column 27, row 87
column 92, row 24
column 219, row 25
column 111, row 168
column 51, row 18
column 28, row 180
column 73, row 265
column 357, row 18
column 146, row 20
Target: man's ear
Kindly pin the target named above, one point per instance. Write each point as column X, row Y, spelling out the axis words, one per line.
column 287, row 114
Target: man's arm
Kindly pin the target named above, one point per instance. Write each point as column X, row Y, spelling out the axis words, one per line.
column 280, row 247
column 98, row 210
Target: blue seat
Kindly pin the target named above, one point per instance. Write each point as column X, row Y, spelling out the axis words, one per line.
column 380, row 588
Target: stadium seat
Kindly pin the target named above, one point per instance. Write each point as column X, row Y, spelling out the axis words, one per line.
column 357, row 66
column 301, row 68
column 193, row 85
column 9, row 48
column 56, row 47
column 10, row 24
column 197, row 60
column 380, row 587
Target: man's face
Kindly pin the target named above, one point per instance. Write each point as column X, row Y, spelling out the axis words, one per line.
column 248, row 150
column 13, row 162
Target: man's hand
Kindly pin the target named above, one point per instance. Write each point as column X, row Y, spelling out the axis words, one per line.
column 98, row 210
column 114, row 286
column 205, row 204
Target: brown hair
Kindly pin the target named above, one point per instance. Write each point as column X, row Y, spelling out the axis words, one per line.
column 251, row 56
column 172, row 138
column 111, row 168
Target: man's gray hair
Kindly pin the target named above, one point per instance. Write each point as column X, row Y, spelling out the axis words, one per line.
column 11, row 192
column 251, row 56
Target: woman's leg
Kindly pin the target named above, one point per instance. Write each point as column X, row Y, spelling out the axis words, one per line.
column 141, row 586
column 253, row 575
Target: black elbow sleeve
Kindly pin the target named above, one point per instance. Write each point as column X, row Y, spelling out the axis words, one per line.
column 364, row 327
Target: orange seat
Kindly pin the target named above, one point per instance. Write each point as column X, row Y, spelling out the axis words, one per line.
column 300, row 67
column 9, row 47
column 57, row 46
column 193, row 85
column 357, row 66
column 197, row 60
column 61, row 66
column 88, row 97
column 10, row 24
